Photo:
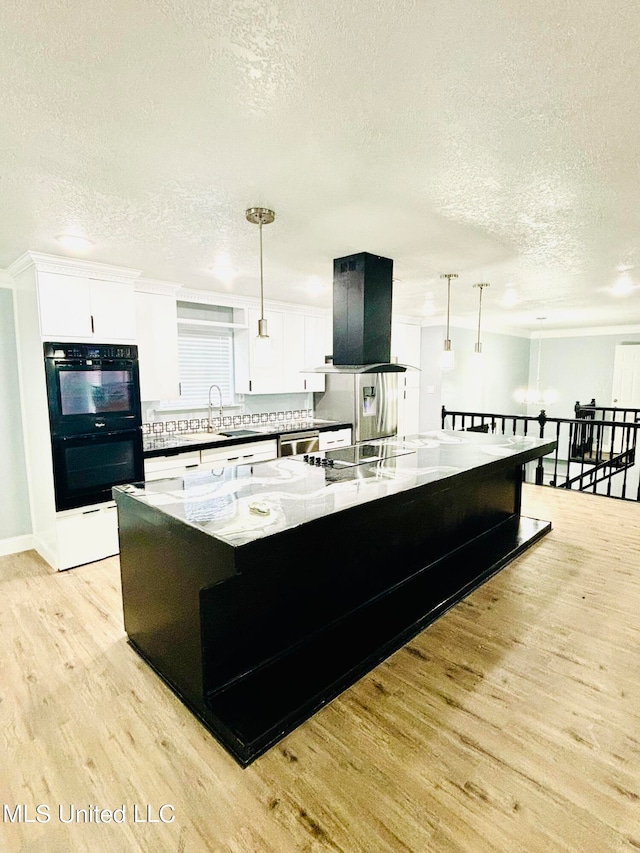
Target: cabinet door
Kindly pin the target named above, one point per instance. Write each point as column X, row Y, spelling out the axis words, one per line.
column 157, row 328
column 314, row 352
column 266, row 369
column 294, row 348
column 405, row 346
column 65, row 306
column 408, row 409
column 113, row 310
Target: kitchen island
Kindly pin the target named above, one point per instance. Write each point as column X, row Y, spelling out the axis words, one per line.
column 259, row 592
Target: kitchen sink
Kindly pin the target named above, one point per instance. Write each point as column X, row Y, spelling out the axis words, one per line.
column 205, row 436
column 220, row 436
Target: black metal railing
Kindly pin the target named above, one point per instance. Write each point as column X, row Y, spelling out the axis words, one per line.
column 596, row 455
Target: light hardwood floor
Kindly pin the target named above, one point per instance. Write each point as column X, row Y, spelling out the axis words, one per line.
column 511, row 724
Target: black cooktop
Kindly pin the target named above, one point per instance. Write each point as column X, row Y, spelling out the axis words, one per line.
column 350, row 457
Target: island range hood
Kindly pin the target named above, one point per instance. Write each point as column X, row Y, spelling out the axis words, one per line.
column 362, row 289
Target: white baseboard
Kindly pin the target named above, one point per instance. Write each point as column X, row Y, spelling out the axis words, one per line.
column 16, row 544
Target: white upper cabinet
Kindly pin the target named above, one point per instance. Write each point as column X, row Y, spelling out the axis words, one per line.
column 157, row 328
column 405, row 347
column 294, row 338
column 296, row 341
column 314, row 351
column 266, row 366
column 76, row 307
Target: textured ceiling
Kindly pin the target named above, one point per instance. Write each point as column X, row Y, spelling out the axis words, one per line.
column 496, row 140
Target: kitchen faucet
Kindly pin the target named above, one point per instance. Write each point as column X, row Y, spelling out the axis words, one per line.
column 210, row 411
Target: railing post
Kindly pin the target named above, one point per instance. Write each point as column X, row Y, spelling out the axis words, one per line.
column 542, row 419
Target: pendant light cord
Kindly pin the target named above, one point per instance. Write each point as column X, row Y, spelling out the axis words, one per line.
column 261, row 278
column 448, row 276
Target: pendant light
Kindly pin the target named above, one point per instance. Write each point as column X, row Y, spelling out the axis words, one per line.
column 447, row 357
column 481, row 285
column 261, row 216
column 534, row 396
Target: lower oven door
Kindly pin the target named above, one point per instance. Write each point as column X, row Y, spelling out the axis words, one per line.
column 85, row 467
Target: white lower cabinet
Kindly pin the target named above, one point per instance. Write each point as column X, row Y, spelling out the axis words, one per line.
column 87, row 534
column 331, row 439
column 240, row 454
column 159, row 467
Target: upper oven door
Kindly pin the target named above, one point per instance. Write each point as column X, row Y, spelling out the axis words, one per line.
column 91, row 395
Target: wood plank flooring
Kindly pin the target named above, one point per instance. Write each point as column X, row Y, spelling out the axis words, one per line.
column 511, row 724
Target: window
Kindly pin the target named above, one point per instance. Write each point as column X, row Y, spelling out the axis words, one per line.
column 205, row 354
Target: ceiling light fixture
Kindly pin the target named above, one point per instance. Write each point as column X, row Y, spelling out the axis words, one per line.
column 481, row 285
column 74, row 241
column 447, row 357
column 261, row 216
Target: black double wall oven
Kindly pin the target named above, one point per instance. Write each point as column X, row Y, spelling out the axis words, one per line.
column 95, row 418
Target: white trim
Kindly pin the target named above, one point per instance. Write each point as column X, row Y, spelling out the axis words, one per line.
column 16, row 544
column 184, row 321
column 492, row 328
column 410, row 320
column 72, row 266
column 230, row 300
column 157, row 286
column 589, row 332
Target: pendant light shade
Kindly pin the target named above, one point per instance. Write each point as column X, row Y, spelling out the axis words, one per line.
column 447, row 357
column 261, row 216
column 481, row 285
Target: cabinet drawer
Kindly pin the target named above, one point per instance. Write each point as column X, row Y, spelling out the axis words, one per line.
column 168, row 466
column 239, row 454
column 87, row 535
column 335, row 438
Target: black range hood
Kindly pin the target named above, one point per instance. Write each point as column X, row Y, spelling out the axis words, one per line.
column 362, row 290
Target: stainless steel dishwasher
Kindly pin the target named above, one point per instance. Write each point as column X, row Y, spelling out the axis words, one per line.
column 289, row 444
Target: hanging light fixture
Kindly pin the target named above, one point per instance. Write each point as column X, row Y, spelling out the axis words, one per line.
column 261, row 216
column 481, row 285
column 534, row 396
column 447, row 357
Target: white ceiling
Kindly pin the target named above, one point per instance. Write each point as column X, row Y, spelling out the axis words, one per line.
column 496, row 140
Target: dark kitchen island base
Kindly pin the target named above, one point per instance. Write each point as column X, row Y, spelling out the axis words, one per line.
column 254, row 638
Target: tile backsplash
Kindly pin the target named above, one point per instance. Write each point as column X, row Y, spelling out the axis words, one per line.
column 187, row 425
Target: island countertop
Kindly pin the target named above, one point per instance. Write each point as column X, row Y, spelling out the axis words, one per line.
column 242, row 503
column 259, row 592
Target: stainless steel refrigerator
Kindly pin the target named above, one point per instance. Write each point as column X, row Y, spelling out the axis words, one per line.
column 369, row 401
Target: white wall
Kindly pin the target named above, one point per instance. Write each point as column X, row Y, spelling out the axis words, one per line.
column 577, row 368
column 15, row 519
column 485, row 384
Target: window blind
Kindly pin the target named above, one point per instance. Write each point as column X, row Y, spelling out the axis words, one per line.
column 205, row 357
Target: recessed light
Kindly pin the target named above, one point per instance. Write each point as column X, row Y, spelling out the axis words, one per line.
column 315, row 284
column 510, row 298
column 223, row 268
column 623, row 285
column 75, row 242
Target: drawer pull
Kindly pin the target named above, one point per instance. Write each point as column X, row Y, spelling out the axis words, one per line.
column 194, row 465
column 247, row 455
column 232, row 458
